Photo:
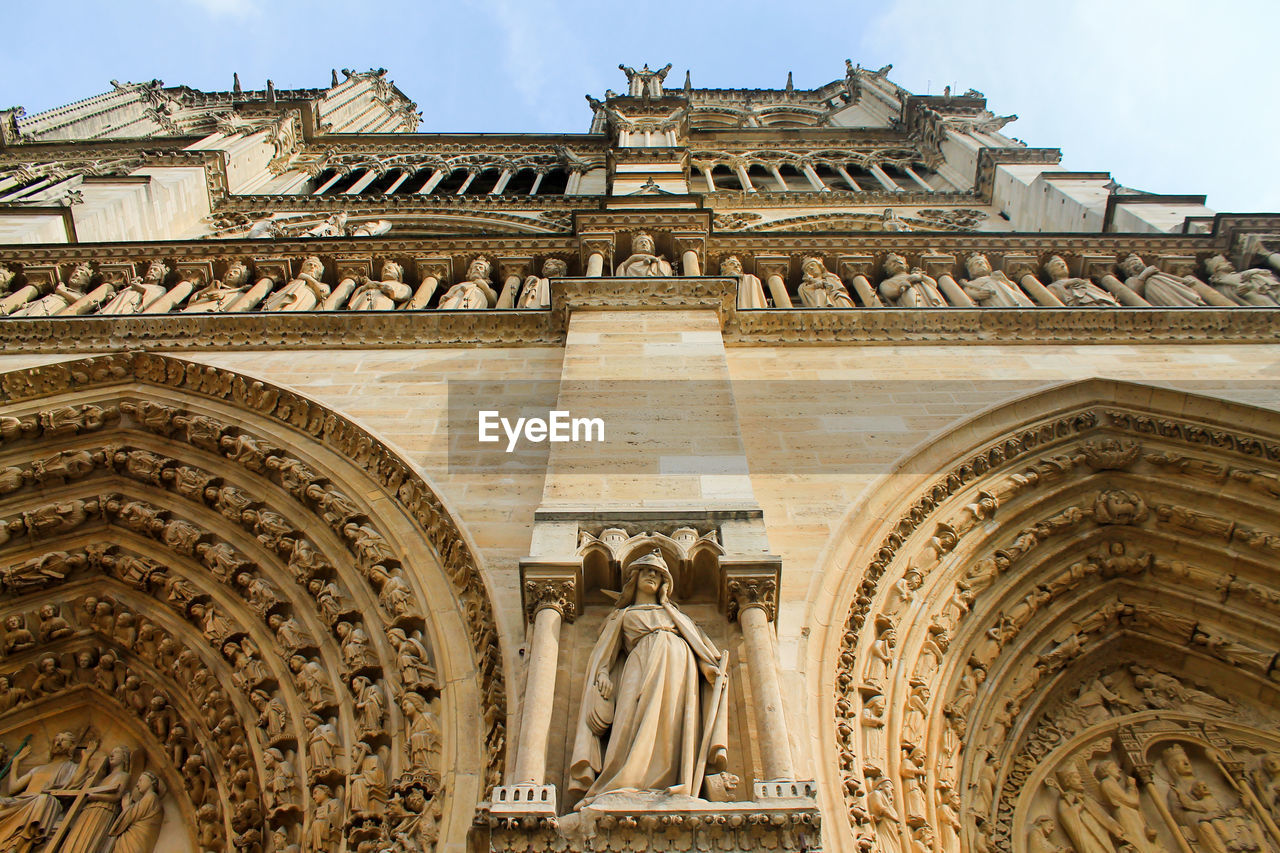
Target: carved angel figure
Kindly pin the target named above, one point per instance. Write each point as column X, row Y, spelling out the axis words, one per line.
column 651, row 719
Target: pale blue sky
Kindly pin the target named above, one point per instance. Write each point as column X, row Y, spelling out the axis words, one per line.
column 1169, row 96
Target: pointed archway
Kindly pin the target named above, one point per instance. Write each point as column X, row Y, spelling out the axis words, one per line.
column 255, row 597
column 1082, row 596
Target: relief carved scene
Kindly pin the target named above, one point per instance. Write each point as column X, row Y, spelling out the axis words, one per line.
column 1068, row 643
column 210, row 640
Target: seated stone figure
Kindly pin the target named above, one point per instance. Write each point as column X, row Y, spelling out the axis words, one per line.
column 750, row 291
column 221, row 295
column 909, row 289
column 991, row 289
column 134, row 297
column 1248, row 287
column 643, row 262
column 304, row 293
column 474, row 293
column 536, row 290
column 821, row 288
column 1076, row 292
column 382, row 295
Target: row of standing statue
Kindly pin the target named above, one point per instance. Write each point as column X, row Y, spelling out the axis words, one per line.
column 901, row 286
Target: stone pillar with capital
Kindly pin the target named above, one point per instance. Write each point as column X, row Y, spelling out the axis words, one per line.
column 752, row 599
column 549, row 601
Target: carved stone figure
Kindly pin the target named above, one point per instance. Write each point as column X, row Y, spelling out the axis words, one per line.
column 1198, row 811
column 134, row 297
column 750, row 291
column 1159, row 288
column 1075, row 292
column 370, row 705
column 1266, row 779
column 311, row 679
column 908, row 289
column 138, row 826
column 883, row 808
column 992, row 289
column 1248, row 287
column 382, row 295
column 535, row 292
column 62, row 296
column 645, row 724
column 281, row 778
column 367, row 784
column 412, row 660
column 643, row 262
column 32, row 808
column 1120, row 792
column 820, row 288
column 90, row 826
column 322, row 743
column 1083, row 819
column 326, row 820
column 220, row 295
column 424, row 732
column 1040, row 839
column 356, row 652
column 474, row 293
column 304, row 293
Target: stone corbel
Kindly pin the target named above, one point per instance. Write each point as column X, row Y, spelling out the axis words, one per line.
column 512, row 271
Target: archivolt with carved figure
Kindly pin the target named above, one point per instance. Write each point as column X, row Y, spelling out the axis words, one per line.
column 223, row 617
column 1065, row 638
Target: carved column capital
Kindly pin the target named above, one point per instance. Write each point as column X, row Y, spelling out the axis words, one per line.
column 560, row 594
column 752, row 591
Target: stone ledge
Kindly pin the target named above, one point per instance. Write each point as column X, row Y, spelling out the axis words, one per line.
column 493, row 328
column 653, row 823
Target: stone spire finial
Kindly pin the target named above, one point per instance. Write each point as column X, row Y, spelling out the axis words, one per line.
column 235, row 84
column 791, row 86
column 333, row 77
column 271, row 91
column 688, row 84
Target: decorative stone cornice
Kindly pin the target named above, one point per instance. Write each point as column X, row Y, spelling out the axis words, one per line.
column 989, row 158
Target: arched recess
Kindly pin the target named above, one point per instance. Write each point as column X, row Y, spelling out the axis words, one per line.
column 1067, row 593
column 257, row 597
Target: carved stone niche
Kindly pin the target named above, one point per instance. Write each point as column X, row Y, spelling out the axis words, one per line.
column 60, row 750
column 601, row 597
